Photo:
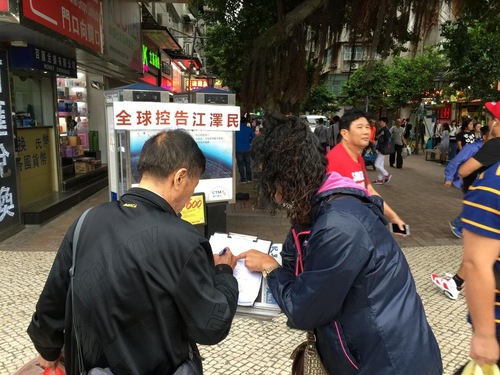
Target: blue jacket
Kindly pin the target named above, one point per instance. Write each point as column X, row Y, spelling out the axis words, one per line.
column 244, row 138
column 356, row 291
column 451, row 170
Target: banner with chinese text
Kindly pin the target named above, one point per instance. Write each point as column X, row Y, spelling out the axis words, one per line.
column 158, row 116
column 9, row 201
column 78, row 20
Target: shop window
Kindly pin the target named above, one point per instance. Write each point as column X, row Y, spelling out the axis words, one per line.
column 27, row 101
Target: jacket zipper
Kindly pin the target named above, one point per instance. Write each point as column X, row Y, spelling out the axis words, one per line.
column 343, row 348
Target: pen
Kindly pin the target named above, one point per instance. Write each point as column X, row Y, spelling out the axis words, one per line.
column 223, row 251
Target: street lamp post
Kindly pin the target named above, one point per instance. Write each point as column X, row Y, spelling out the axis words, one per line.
column 438, row 86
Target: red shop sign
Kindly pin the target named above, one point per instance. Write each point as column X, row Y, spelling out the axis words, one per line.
column 76, row 19
column 4, row 5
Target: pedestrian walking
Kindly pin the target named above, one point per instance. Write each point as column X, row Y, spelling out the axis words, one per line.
column 244, row 138
column 383, row 138
column 146, row 286
column 444, row 145
column 481, row 220
column 467, row 135
column 345, row 158
column 397, row 134
column 356, row 290
column 453, row 140
column 488, row 154
column 321, row 131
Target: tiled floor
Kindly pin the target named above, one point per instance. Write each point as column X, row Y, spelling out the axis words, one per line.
column 256, row 346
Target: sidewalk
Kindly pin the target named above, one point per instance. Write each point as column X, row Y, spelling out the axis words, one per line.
column 253, row 346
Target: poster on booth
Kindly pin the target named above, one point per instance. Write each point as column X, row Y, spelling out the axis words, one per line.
column 194, row 211
column 210, row 126
column 216, row 182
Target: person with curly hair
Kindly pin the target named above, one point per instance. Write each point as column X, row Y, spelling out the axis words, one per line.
column 355, row 290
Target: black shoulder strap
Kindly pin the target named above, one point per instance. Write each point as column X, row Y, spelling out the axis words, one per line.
column 76, row 234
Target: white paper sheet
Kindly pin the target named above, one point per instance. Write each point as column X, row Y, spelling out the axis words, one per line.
column 248, row 282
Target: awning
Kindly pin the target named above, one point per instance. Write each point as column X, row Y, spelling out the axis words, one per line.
column 160, row 36
column 184, row 60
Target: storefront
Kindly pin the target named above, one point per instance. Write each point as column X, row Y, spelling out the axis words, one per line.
column 60, row 69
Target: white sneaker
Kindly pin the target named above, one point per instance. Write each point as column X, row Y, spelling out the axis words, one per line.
column 448, row 286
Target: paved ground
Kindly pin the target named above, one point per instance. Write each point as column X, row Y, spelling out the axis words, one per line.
column 256, row 346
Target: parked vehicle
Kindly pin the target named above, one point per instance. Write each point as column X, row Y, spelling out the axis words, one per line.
column 312, row 120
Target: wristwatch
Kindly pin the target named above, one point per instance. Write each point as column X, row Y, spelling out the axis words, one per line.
column 267, row 271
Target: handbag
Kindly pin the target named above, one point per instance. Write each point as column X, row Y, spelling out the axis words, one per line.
column 306, row 360
column 406, row 151
column 388, row 147
column 472, row 368
column 305, row 357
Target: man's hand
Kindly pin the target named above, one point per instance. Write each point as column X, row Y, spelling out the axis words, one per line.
column 484, row 350
column 447, row 183
column 47, row 364
column 257, row 261
column 226, row 258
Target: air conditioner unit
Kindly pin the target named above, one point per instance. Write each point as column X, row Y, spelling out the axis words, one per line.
column 188, row 17
column 163, row 19
column 354, row 66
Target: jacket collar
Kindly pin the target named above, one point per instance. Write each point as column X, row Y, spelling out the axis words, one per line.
column 150, row 196
column 335, row 184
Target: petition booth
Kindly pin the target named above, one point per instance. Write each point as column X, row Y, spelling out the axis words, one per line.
column 136, row 112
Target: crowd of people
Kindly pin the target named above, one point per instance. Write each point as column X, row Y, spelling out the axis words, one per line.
column 147, row 291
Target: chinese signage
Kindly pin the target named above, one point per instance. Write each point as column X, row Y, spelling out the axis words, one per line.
column 9, row 11
column 122, row 32
column 79, row 20
column 34, row 163
column 157, row 116
column 150, row 58
column 32, row 57
column 196, row 84
column 9, row 209
column 194, row 210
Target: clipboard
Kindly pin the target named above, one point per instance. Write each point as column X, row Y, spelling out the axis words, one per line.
column 249, row 283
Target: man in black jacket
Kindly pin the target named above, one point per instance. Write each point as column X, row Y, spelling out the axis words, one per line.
column 146, row 287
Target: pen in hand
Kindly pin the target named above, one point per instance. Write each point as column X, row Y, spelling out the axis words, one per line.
column 223, row 251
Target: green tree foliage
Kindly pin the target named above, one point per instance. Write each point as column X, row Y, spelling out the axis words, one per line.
column 320, row 101
column 472, row 47
column 226, row 55
column 396, row 84
column 411, row 78
column 281, row 38
column 368, row 83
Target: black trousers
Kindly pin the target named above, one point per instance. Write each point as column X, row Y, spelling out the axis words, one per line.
column 396, row 156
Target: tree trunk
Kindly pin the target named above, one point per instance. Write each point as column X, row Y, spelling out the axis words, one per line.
column 280, row 31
